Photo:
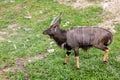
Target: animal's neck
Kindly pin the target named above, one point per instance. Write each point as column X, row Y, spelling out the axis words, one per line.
column 60, row 37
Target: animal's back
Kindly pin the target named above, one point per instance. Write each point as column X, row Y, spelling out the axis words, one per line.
column 86, row 36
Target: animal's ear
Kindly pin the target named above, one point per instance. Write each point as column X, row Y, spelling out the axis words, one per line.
column 56, row 21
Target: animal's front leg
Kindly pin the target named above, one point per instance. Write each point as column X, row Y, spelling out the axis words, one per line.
column 67, row 55
column 76, row 50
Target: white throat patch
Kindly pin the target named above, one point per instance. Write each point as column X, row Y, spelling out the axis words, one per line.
column 55, row 29
column 62, row 45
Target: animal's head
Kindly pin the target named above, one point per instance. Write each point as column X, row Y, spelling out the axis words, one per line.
column 54, row 27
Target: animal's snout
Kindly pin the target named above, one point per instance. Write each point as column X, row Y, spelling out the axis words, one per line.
column 45, row 32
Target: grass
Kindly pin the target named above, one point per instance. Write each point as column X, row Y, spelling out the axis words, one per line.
column 94, row 0
column 30, row 41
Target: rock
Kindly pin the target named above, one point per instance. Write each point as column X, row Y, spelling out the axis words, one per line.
column 41, row 12
column 28, row 17
column 50, row 50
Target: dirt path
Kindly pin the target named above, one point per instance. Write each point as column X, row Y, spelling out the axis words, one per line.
column 21, row 62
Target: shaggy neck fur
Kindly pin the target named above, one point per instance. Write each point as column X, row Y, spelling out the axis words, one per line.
column 60, row 37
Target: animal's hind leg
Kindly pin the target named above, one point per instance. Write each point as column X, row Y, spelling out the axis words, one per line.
column 104, row 48
column 106, row 55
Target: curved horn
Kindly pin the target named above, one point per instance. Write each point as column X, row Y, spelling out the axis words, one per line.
column 56, row 18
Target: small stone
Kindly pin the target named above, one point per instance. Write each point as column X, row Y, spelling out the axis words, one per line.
column 51, row 51
column 66, row 24
column 40, row 11
column 29, row 60
column 9, row 41
column 51, row 43
column 28, row 17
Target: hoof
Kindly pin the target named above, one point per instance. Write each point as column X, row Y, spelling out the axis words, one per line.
column 64, row 63
column 104, row 62
column 78, row 68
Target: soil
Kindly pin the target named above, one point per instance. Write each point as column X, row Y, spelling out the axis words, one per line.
column 21, row 62
column 5, row 32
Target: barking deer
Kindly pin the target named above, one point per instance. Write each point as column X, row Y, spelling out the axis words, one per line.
column 79, row 37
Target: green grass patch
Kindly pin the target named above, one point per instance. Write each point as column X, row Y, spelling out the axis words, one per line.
column 27, row 40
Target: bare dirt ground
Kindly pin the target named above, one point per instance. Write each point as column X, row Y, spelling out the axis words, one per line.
column 4, row 32
column 111, row 10
column 21, row 62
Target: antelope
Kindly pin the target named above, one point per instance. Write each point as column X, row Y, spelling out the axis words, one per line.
column 79, row 37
